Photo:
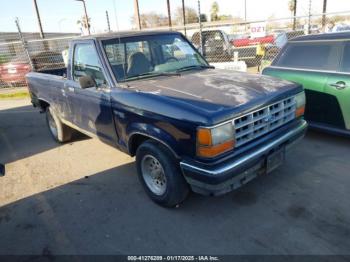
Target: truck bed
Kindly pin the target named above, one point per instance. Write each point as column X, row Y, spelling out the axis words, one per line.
column 46, row 84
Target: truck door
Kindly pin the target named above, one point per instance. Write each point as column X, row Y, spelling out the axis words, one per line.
column 90, row 107
column 59, row 97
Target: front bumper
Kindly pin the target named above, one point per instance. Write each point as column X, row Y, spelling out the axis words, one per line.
column 221, row 178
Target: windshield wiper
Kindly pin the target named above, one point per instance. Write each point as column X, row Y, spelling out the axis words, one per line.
column 196, row 67
column 152, row 74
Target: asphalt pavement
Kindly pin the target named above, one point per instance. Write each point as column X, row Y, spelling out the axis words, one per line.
column 84, row 198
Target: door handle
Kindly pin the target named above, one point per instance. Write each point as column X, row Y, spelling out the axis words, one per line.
column 339, row 85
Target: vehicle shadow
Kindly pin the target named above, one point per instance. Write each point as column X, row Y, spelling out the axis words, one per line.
column 328, row 138
column 286, row 212
column 24, row 132
column 301, row 208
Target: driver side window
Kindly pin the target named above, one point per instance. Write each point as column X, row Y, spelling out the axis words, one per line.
column 86, row 63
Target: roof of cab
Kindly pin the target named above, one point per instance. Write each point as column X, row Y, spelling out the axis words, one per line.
column 121, row 34
column 322, row 37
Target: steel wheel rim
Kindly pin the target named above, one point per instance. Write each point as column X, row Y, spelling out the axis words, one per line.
column 52, row 124
column 153, row 174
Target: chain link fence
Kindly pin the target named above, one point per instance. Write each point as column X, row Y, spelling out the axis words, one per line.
column 257, row 43
column 18, row 58
column 21, row 53
column 225, row 44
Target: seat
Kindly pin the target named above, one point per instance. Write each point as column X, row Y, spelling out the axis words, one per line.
column 138, row 64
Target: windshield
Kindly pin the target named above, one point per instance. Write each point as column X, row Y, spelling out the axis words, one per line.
column 281, row 40
column 151, row 55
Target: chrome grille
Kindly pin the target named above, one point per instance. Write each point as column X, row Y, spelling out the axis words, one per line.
column 264, row 120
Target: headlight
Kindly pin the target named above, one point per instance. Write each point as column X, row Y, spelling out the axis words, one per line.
column 214, row 141
column 300, row 104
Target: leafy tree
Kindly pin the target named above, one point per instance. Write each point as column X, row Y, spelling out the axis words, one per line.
column 4, row 58
column 226, row 17
column 151, row 19
column 204, row 18
column 214, row 10
column 190, row 13
column 83, row 23
column 291, row 6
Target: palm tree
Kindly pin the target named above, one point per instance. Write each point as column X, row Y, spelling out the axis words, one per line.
column 84, row 24
column 292, row 7
column 214, row 10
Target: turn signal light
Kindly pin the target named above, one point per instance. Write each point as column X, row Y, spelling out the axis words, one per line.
column 204, row 137
column 300, row 111
column 215, row 140
column 212, row 151
column 300, row 104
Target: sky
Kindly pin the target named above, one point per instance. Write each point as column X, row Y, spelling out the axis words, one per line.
column 62, row 15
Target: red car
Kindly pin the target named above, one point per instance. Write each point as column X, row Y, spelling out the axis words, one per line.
column 13, row 73
column 253, row 41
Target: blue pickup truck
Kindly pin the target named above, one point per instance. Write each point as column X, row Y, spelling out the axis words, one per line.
column 191, row 127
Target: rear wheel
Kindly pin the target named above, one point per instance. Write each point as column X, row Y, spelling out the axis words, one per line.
column 160, row 174
column 59, row 131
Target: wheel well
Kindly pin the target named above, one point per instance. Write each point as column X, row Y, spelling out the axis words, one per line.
column 135, row 142
column 43, row 104
column 137, row 139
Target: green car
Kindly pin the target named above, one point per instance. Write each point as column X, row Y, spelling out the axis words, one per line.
column 321, row 63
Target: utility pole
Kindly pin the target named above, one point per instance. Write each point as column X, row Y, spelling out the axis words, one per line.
column 295, row 14
column 309, row 23
column 108, row 24
column 324, row 11
column 245, row 15
column 169, row 13
column 86, row 16
column 24, row 44
column 137, row 14
column 184, row 16
column 39, row 20
column 200, row 27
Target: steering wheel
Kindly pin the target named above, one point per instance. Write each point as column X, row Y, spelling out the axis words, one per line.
column 171, row 58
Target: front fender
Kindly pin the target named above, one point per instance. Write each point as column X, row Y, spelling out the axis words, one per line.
column 154, row 132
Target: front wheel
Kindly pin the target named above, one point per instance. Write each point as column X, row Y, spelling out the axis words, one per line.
column 160, row 174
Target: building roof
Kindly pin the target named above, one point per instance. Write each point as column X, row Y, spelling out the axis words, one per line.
column 320, row 37
column 13, row 36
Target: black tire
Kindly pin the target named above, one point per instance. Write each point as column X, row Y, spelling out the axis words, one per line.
column 176, row 187
column 63, row 132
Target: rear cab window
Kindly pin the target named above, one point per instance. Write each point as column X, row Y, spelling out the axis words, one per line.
column 119, row 55
column 208, row 36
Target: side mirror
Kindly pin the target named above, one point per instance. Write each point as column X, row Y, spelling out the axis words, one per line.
column 86, row 82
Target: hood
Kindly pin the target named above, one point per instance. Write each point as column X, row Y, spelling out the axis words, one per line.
column 216, row 86
column 206, row 97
